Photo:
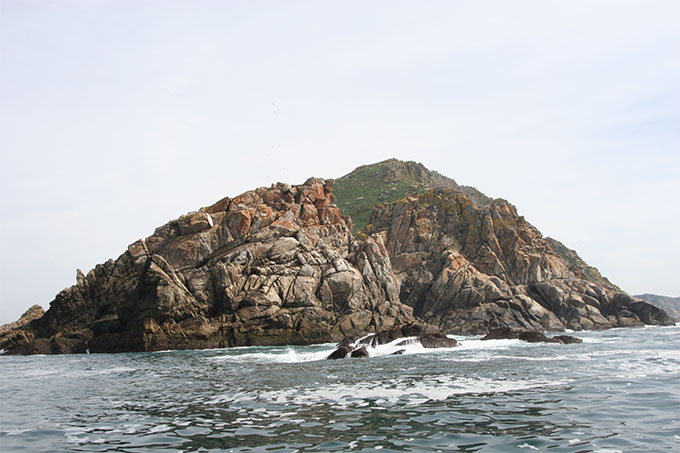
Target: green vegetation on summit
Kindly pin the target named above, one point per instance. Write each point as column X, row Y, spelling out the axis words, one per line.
column 357, row 193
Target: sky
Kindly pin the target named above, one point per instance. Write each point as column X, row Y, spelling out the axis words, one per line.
column 118, row 116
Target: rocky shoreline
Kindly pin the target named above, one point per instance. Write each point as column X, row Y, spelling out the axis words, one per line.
column 352, row 347
column 280, row 265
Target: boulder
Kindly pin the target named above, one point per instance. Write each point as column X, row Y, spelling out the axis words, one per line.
column 341, row 352
column 437, row 340
column 360, row 352
column 565, row 339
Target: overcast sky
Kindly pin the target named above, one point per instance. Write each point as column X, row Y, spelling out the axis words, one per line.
column 117, row 116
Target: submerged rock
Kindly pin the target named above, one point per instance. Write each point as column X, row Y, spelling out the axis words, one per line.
column 565, row 339
column 531, row 336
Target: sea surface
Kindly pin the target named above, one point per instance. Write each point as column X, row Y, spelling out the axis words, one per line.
column 619, row 391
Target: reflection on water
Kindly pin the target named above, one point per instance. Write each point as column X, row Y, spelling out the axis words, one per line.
column 615, row 392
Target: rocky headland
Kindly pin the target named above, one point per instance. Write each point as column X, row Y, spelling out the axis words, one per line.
column 671, row 305
column 280, row 265
column 471, row 268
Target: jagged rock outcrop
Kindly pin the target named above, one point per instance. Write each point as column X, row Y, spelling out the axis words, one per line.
column 13, row 332
column 271, row 266
column 33, row 313
column 468, row 269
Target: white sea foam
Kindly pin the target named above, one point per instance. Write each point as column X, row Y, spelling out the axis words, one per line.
column 17, row 432
column 159, row 429
column 403, row 390
column 412, row 346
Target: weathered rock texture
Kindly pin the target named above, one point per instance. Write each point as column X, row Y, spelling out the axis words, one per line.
column 468, row 269
column 271, row 266
column 14, row 331
column 280, row 266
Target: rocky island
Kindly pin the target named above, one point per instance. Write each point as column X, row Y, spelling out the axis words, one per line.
column 286, row 265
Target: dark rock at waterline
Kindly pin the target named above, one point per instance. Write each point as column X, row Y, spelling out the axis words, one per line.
column 360, row 352
column 341, row 352
column 507, row 333
column 394, row 333
column 432, row 340
column 399, row 352
column 437, row 340
column 530, row 336
column 357, row 348
column 565, row 339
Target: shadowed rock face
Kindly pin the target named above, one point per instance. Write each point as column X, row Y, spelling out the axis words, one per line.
column 469, row 269
column 271, row 266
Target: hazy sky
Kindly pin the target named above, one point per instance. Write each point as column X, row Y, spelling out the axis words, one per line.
column 117, row 116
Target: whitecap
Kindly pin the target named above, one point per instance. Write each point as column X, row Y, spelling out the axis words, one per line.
column 403, row 390
column 159, row 429
column 16, row 432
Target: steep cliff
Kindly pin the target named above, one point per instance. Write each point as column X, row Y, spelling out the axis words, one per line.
column 468, row 269
column 271, row 266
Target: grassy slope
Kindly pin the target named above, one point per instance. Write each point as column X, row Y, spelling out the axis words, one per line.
column 384, row 182
column 358, row 192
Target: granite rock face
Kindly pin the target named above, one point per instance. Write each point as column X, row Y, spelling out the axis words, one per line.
column 280, row 265
column 468, row 269
column 14, row 332
column 269, row 267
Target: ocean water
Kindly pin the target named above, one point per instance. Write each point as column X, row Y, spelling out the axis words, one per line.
column 619, row 391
